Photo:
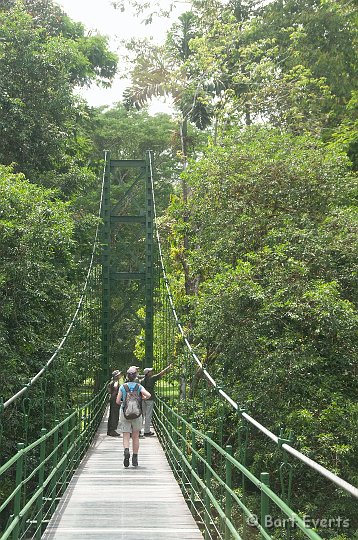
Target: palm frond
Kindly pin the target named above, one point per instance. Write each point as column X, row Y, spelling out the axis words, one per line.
column 150, row 78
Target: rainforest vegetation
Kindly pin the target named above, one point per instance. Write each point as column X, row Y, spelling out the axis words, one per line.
column 256, row 177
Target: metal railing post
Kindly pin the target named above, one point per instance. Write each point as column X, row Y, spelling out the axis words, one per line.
column 265, row 500
column 78, row 438
column 207, row 517
column 228, row 499
column 220, row 416
column 243, row 434
column 183, row 476
column 18, row 495
column 174, row 431
column 72, row 456
column 40, row 500
column 64, row 465
column 193, row 468
column 53, row 483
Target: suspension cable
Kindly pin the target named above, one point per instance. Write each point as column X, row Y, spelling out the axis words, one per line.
column 346, row 486
column 76, row 313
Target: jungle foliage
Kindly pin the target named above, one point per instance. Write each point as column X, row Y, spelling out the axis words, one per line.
column 256, row 186
column 275, row 314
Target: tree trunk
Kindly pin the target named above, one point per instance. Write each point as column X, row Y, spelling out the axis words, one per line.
column 248, row 120
column 184, row 149
column 184, row 146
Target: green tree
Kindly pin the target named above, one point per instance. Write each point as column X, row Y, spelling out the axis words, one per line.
column 346, row 135
column 322, row 36
column 288, row 63
column 98, row 63
column 272, row 221
column 40, row 116
column 129, row 134
column 166, row 71
column 36, row 276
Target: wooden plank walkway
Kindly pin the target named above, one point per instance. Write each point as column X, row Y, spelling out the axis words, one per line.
column 105, row 500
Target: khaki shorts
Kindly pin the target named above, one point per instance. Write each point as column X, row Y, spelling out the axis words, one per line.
column 128, row 426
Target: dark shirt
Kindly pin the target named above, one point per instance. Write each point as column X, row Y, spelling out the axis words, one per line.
column 149, row 384
column 112, row 388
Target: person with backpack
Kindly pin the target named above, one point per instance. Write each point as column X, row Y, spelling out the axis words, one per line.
column 149, row 383
column 131, row 394
column 113, row 417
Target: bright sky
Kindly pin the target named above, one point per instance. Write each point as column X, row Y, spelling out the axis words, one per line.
column 100, row 16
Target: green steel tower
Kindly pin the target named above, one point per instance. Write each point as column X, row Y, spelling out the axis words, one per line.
column 127, row 252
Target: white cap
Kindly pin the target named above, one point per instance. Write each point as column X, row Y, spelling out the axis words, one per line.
column 147, row 370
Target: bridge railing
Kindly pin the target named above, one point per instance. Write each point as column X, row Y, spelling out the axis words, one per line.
column 212, row 480
column 36, row 477
column 217, row 421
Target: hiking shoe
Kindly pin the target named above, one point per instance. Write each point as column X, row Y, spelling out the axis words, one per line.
column 135, row 460
column 149, row 434
column 126, row 457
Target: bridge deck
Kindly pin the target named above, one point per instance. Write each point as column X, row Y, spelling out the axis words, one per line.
column 104, row 500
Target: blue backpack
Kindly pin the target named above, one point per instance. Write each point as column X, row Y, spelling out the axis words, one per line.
column 132, row 406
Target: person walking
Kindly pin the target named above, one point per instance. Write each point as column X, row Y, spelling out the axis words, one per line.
column 113, row 416
column 149, row 384
column 129, row 397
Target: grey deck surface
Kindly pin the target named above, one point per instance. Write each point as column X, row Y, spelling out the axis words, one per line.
column 106, row 501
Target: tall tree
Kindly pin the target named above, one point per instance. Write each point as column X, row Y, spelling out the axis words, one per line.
column 273, row 220
column 40, row 69
column 275, row 60
column 129, row 134
column 346, row 135
column 166, row 71
column 36, row 275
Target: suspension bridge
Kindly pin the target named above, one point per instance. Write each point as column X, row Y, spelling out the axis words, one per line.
column 196, row 479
